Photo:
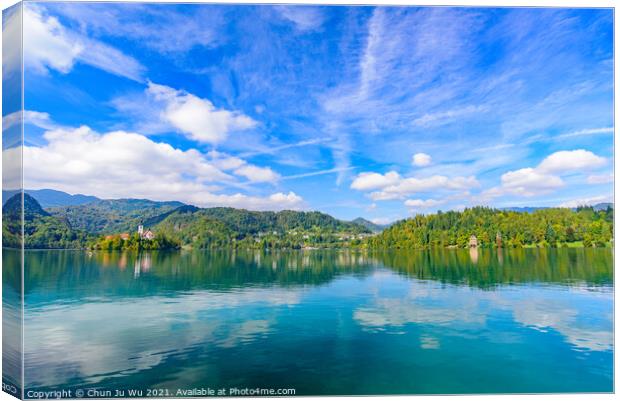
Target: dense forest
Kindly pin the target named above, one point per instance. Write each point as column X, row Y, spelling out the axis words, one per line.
column 235, row 228
column 112, row 216
column 41, row 230
column 491, row 227
column 112, row 225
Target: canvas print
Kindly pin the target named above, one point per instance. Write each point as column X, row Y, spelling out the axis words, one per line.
column 214, row 200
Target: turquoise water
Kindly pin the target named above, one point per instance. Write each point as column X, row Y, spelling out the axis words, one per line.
column 321, row 322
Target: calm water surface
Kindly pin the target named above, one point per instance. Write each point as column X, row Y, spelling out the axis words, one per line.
column 321, row 322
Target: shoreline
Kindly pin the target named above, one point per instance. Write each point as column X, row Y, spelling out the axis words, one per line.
column 609, row 246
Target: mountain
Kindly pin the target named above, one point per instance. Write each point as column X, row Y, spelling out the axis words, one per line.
column 529, row 209
column 120, row 215
column 228, row 227
column 523, row 209
column 32, row 208
column 213, row 227
column 41, row 229
column 375, row 228
column 251, row 222
column 61, row 226
column 602, row 206
column 113, row 216
column 51, row 198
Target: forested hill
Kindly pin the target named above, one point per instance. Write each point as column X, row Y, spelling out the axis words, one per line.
column 239, row 228
column 112, row 216
column 376, row 228
column 254, row 222
column 173, row 224
column 545, row 227
column 41, row 230
column 228, row 227
column 100, row 224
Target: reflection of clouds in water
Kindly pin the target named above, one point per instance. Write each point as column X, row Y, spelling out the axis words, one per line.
column 424, row 304
column 12, row 333
column 398, row 312
column 560, row 316
column 567, row 312
column 244, row 332
column 429, row 342
column 121, row 338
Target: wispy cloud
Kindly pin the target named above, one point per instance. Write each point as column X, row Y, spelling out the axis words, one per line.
column 305, row 18
column 330, row 92
column 160, row 27
column 12, row 36
column 316, row 173
column 586, row 132
column 446, row 116
column 275, row 149
column 50, row 45
column 600, row 179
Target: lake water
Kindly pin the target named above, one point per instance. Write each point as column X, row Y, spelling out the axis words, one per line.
column 320, row 322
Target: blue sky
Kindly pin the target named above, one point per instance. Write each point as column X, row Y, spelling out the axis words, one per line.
column 355, row 111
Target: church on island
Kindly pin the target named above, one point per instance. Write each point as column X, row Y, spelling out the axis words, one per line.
column 144, row 234
column 148, row 234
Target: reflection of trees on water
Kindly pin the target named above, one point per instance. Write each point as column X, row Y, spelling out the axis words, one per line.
column 106, row 273
column 66, row 273
column 489, row 267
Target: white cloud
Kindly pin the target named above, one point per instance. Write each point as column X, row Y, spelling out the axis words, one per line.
column 242, row 168
column 304, row 18
column 423, row 203
column 530, row 182
column 224, row 161
column 421, row 159
column 586, row 201
column 195, row 117
column 276, row 201
column 367, row 181
column 50, row 45
column 11, row 120
column 546, row 177
column 571, row 160
column 600, row 179
column 392, row 186
column 128, row 165
column 47, row 44
column 258, row 174
column 11, row 39
column 409, row 186
column 36, row 118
